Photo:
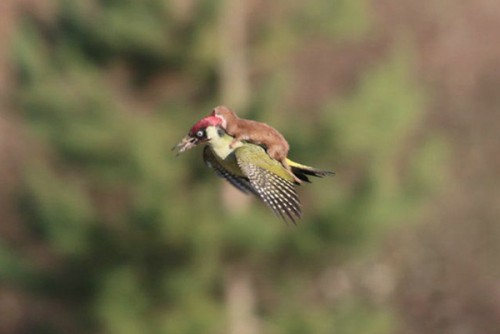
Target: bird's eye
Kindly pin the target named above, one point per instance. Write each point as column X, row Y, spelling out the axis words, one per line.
column 200, row 134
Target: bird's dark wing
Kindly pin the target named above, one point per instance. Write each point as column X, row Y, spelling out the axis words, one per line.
column 240, row 182
column 278, row 193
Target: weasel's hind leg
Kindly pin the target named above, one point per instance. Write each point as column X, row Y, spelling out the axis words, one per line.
column 289, row 170
column 279, row 154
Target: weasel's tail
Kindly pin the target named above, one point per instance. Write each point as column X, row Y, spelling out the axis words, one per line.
column 303, row 171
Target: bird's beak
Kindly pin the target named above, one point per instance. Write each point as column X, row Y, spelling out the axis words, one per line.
column 185, row 144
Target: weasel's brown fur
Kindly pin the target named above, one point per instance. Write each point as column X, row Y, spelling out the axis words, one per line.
column 255, row 132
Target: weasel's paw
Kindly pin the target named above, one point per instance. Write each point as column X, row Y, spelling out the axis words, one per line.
column 231, row 145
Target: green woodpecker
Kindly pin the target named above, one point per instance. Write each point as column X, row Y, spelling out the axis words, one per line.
column 249, row 168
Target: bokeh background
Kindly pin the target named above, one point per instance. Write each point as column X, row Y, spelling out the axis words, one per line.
column 103, row 230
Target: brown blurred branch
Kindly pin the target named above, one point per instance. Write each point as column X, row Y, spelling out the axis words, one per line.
column 234, row 92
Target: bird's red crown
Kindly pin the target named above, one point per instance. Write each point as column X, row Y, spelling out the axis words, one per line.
column 205, row 122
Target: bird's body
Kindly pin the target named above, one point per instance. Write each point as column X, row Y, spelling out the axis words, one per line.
column 249, row 168
column 255, row 132
column 224, row 145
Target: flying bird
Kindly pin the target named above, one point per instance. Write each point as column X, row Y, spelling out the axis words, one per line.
column 249, row 167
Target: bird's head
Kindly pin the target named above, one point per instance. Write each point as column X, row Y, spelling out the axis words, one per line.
column 201, row 132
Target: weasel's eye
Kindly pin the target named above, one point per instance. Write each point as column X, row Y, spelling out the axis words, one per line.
column 200, row 134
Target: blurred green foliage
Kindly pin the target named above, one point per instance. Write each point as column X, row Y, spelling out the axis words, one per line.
column 141, row 237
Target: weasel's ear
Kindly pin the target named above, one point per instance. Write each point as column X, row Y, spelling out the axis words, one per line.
column 215, row 111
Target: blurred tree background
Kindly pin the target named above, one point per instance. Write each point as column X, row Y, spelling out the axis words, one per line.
column 102, row 230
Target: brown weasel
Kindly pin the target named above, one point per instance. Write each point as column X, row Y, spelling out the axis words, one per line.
column 255, row 132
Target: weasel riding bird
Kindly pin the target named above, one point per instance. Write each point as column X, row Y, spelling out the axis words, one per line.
column 249, row 167
column 257, row 133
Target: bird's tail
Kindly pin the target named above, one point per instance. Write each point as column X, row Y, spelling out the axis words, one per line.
column 303, row 171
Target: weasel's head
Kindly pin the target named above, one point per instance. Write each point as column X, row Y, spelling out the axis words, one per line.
column 198, row 133
column 224, row 114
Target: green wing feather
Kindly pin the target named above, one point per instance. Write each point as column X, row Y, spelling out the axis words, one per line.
column 272, row 182
column 259, row 157
column 235, row 177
